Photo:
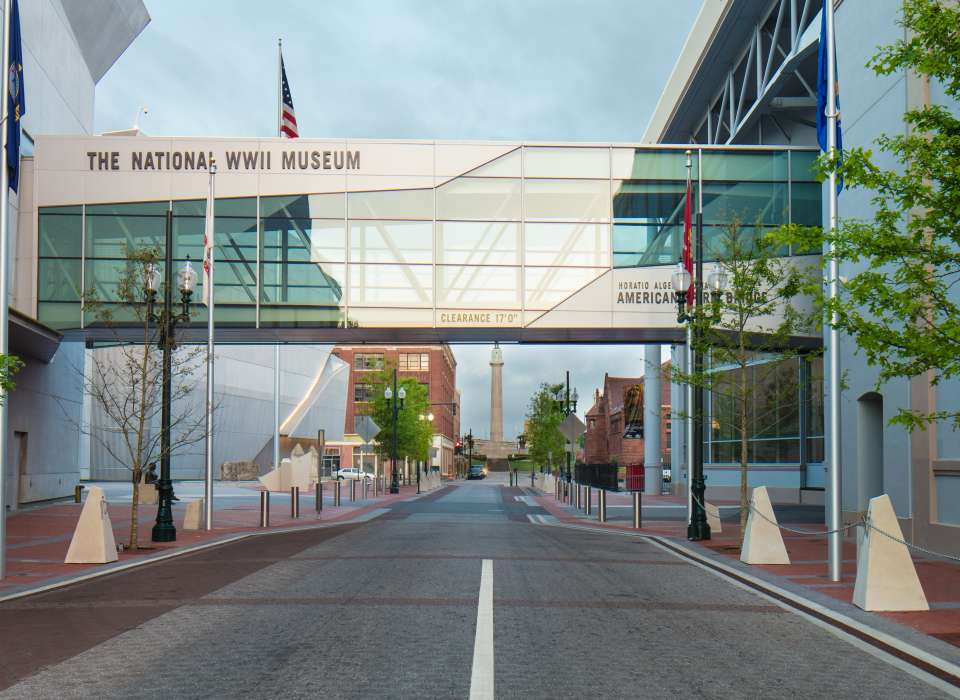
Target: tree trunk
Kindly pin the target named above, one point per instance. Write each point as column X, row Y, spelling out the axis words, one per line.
column 134, row 510
column 744, row 502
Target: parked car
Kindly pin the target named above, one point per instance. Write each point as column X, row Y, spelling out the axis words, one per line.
column 351, row 473
column 476, row 472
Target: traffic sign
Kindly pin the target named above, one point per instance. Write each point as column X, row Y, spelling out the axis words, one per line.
column 367, row 429
column 572, row 427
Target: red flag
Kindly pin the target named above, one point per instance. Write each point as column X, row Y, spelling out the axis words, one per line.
column 687, row 244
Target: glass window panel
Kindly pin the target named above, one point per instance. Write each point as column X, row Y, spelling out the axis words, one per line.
column 546, row 287
column 567, row 200
column 59, row 279
column 478, row 242
column 747, row 202
column 653, row 202
column 368, row 360
column 739, row 166
column 391, row 285
column 391, row 204
column 306, row 240
column 567, row 244
column 190, row 207
column 479, row 198
column 302, row 283
column 103, row 277
column 805, row 205
column 305, row 206
column 803, row 166
column 652, row 164
column 61, row 232
column 291, row 315
column 646, row 244
column 236, row 206
column 391, row 241
column 113, row 229
column 580, row 162
column 478, row 287
column 59, row 315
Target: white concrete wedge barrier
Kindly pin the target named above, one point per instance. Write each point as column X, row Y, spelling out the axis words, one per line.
column 193, row 517
column 713, row 517
column 886, row 576
column 763, row 543
column 93, row 541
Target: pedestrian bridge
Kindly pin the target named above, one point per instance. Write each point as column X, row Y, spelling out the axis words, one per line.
column 419, row 241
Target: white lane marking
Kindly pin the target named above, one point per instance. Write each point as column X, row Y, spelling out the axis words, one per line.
column 527, row 500
column 481, row 679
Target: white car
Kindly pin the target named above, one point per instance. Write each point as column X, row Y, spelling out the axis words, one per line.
column 351, row 473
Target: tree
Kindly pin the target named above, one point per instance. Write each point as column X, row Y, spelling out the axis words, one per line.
column 745, row 333
column 9, row 366
column 901, row 304
column 545, row 442
column 125, row 383
column 414, row 431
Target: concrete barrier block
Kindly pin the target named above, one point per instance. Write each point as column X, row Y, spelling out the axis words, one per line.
column 886, row 576
column 93, row 541
column 274, row 480
column 762, row 542
column 713, row 517
column 193, row 517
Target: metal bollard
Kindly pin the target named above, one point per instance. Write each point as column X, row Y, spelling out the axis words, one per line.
column 589, row 504
column 601, row 505
column 353, row 490
column 336, row 494
column 264, row 509
column 366, row 484
column 78, row 493
column 319, row 496
column 576, row 496
column 294, row 501
column 637, row 518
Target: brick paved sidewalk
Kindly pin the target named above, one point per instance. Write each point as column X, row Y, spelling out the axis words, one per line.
column 940, row 578
column 38, row 538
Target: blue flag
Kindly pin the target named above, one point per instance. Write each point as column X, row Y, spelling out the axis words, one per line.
column 822, row 92
column 16, row 103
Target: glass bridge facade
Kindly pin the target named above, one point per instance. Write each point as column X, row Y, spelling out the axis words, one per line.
column 501, row 244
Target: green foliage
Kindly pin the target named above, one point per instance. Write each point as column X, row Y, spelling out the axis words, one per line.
column 900, row 304
column 414, row 435
column 9, row 366
column 545, row 442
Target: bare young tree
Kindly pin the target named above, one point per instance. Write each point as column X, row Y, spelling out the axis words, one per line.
column 125, row 381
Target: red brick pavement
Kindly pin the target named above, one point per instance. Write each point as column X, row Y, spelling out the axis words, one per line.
column 38, row 539
column 940, row 578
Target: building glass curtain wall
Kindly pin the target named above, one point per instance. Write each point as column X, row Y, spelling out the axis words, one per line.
column 521, row 233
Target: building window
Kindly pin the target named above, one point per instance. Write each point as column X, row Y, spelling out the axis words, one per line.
column 370, row 360
column 331, row 461
column 414, row 361
column 363, row 392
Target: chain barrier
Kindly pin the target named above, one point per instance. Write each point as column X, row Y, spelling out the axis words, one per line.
column 863, row 522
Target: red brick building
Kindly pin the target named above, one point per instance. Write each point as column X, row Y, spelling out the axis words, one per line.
column 433, row 366
column 615, row 421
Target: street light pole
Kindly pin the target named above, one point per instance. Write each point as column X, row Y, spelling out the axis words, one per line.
column 164, row 529
column 395, row 398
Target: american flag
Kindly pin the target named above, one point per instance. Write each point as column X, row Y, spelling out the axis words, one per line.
column 288, row 119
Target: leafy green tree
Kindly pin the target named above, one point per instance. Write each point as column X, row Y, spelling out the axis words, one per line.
column 900, row 302
column 414, row 430
column 545, row 442
column 745, row 332
column 9, row 366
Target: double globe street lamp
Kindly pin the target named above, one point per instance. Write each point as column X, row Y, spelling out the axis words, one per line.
column 396, row 405
column 166, row 318
column 429, row 418
column 697, row 316
column 568, row 405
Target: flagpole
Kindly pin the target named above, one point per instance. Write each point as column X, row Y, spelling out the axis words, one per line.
column 4, row 282
column 834, row 542
column 279, row 87
column 208, row 283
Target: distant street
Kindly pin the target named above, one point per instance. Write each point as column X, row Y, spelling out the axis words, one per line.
column 451, row 595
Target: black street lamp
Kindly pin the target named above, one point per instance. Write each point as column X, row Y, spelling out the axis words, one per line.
column 166, row 320
column 401, row 394
column 698, row 529
column 568, row 405
column 469, row 451
column 425, row 417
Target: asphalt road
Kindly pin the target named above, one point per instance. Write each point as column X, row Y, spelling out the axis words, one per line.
column 451, row 593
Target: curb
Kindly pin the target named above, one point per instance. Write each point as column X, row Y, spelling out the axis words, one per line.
column 921, row 664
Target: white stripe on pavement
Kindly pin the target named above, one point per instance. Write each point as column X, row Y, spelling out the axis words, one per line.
column 481, row 680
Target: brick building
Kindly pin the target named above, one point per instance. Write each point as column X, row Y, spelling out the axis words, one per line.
column 433, row 366
column 615, row 421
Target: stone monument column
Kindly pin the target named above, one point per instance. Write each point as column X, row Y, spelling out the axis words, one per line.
column 496, row 394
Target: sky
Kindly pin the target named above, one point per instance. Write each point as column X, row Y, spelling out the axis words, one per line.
column 557, row 70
